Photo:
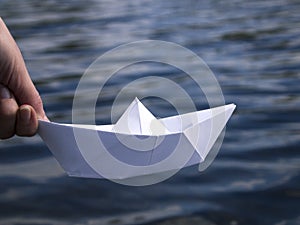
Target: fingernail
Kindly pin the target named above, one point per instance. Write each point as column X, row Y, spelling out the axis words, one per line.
column 4, row 92
column 25, row 114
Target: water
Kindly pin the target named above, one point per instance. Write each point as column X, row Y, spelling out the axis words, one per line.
column 253, row 49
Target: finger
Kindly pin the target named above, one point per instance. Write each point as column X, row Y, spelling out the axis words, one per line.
column 8, row 111
column 16, row 77
column 27, row 121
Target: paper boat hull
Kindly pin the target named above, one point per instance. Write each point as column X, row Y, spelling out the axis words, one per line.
column 96, row 152
column 138, row 163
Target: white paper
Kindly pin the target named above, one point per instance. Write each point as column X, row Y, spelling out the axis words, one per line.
column 137, row 145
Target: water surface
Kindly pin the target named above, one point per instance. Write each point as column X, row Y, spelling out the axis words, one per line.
column 252, row 48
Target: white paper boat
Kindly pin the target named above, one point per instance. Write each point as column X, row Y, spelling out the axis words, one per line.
column 137, row 145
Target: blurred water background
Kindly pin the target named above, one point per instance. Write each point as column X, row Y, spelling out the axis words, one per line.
column 253, row 48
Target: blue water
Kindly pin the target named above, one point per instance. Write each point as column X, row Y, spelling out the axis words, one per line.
column 253, row 48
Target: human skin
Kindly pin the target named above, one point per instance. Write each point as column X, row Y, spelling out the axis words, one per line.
column 20, row 103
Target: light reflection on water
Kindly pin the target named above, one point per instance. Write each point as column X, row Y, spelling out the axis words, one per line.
column 253, row 49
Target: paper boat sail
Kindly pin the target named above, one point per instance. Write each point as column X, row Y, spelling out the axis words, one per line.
column 138, row 144
column 137, row 119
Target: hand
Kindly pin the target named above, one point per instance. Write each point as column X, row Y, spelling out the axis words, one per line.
column 20, row 103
